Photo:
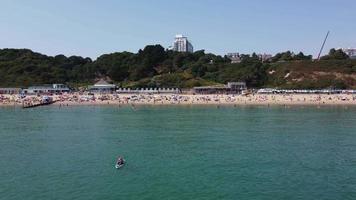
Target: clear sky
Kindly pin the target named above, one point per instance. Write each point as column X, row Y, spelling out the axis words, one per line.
column 90, row 28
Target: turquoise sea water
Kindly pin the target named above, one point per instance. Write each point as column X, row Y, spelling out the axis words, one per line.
column 178, row 153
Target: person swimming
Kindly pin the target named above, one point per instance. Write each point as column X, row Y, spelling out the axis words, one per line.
column 120, row 161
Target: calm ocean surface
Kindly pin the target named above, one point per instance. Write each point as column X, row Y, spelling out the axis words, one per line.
column 178, row 153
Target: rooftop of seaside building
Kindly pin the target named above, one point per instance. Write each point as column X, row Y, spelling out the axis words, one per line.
column 103, row 83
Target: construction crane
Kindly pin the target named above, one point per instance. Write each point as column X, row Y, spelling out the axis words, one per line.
column 322, row 46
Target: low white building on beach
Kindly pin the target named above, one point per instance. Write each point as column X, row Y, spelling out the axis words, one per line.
column 47, row 89
column 230, row 88
column 102, row 86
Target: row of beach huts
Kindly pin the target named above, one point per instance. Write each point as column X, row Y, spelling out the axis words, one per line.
column 99, row 87
column 103, row 86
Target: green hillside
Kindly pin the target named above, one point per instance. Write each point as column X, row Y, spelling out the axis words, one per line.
column 154, row 66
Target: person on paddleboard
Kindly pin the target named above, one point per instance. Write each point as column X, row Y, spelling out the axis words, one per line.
column 120, row 161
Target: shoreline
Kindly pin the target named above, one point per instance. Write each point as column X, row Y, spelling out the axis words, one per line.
column 138, row 106
column 182, row 99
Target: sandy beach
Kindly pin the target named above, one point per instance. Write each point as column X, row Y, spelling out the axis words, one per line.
column 182, row 99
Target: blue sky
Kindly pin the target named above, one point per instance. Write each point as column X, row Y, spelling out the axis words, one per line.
column 94, row 27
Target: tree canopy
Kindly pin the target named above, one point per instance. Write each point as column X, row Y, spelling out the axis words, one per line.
column 290, row 56
column 335, row 55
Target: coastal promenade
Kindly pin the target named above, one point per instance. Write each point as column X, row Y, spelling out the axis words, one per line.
column 182, row 99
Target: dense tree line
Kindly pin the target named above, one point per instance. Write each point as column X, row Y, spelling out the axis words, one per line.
column 290, row 56
column 152, row 66
column 335, row 55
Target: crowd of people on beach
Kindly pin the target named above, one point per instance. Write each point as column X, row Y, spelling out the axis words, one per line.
column 156, row 99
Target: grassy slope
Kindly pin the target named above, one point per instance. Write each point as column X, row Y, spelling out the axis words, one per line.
column 308, row 74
